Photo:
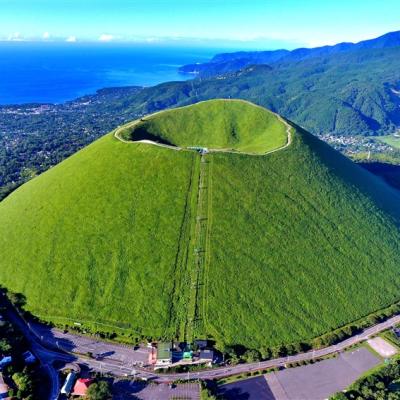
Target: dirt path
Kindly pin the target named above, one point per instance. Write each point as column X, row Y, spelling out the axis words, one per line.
column 177, row 315
column 194, row 315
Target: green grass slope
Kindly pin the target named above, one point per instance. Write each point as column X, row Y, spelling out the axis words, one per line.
column 302, row 241
column 96, row 237
column 218, row 124
column 252, row 250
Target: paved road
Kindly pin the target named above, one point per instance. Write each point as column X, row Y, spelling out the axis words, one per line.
column 119, row 361
column 124, row 390
column 44, row 355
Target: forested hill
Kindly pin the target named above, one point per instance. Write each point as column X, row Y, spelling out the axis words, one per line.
column 348, row 94
column 355, row 93
column 229, row 62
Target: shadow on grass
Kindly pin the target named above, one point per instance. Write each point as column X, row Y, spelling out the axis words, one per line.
column 141, row 133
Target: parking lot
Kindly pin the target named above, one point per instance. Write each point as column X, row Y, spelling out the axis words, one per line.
column 125, row 390
column 309, row 382
column 84, row 344
column 321, row 380
column 249, row 389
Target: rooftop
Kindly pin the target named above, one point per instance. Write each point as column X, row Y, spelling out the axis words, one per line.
column 3, row 388
column 207, row 354
column 164, row 350
column 81, row 386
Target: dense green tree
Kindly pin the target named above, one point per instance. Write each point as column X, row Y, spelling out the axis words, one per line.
column 339, row 396
column 266, row 353
column 252, row 355
column 279, row 351
column 5, row 346
column 99, row 391
column 24, row 383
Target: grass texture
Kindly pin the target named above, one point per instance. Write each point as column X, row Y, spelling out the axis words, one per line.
column 255, row 250
column 217, row 124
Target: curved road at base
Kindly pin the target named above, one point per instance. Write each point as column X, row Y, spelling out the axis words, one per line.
column 118, row 368
column 49, row 353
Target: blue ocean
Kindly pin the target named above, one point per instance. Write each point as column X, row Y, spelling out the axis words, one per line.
column 53, row 72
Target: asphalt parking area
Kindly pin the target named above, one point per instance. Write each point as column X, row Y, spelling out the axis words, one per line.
column 125, row 390
column 247, row 389
column 100, row 350
column 321, row 380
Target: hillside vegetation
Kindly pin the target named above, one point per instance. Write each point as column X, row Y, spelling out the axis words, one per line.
column 251, row 250
column 96, row 238
column 230, row 62
column 297, row 240
column 354, row 93
column 216, row 124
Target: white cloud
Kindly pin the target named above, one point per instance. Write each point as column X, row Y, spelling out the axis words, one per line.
column 46, row 35
column 15, row 37
column 153, row 39
column 106, row 38
column 71, row 39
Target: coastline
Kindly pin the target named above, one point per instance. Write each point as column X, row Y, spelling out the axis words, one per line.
column 61, row 73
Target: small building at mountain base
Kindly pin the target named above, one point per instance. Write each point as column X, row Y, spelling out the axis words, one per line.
column 81, row 386
column 164, row 354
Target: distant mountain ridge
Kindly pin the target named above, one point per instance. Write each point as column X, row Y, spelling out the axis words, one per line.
column 229, row 62
column 348, row 93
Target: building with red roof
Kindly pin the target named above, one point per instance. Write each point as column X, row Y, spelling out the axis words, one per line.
column 81, row 386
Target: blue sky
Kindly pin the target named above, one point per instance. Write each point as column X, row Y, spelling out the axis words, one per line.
column 237, row 23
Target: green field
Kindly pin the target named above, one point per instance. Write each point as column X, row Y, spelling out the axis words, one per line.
column 391, row 140
column 255, row 250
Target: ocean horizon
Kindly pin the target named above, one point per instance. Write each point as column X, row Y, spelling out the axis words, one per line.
column 37, row 72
